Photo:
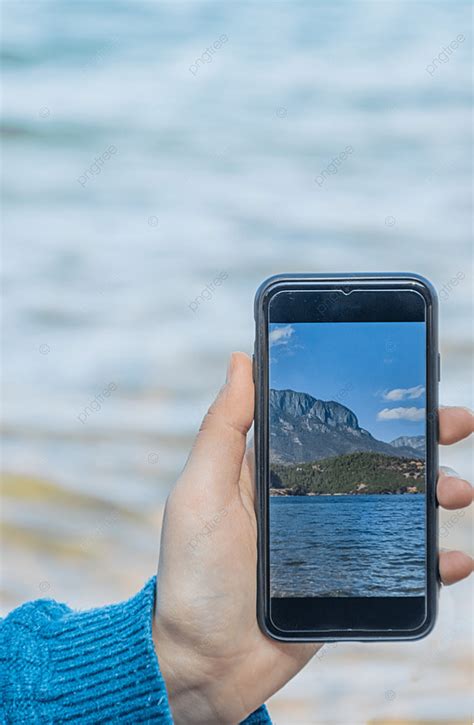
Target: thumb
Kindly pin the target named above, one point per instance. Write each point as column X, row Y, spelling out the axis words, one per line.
column 216, row 458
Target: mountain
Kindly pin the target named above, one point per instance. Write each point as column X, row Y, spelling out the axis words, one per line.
column 304, row 429
column 415, row 442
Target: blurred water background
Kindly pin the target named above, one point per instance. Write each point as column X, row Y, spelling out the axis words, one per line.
column 213, row 171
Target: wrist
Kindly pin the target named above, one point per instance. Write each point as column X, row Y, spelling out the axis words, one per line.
column 201, row 689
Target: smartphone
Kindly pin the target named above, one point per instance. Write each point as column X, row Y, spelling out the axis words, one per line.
column 346, row 371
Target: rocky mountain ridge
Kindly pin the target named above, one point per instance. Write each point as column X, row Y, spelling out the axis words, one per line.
column 304, row 429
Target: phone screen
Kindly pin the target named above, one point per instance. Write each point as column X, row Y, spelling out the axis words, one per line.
column 347, row 459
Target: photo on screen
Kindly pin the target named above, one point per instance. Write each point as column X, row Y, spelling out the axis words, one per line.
column 347, row 459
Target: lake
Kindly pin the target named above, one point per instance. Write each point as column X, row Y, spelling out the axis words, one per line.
column 343, row 546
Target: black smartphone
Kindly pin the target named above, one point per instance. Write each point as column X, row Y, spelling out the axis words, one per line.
column 346, row 371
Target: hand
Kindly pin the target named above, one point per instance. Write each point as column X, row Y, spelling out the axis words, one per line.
column 217, row 664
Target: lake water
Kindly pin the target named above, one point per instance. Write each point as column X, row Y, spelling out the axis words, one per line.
column 347, row 546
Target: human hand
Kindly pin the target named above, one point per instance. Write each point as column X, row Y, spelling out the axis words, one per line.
column 217, row 664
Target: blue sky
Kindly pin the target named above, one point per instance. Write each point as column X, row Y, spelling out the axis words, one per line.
column 377, row 369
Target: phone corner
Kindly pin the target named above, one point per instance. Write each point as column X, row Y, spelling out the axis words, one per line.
column 264, row 623
column 425, row 630
column 263, row 287
column 429, row 624
column 428, row 288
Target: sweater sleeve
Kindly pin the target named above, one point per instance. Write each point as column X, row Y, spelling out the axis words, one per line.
column 100, row 665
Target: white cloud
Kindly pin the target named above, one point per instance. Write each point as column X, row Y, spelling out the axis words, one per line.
column 401, row 414
column 404, row 393
column 281, row 335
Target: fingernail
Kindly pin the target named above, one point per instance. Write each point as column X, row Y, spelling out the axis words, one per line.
column 447, row 471
column 230, row 368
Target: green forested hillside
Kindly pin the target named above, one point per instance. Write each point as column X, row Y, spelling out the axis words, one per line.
column 351, row 473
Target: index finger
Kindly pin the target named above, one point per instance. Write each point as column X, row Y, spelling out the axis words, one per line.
column 455, row 424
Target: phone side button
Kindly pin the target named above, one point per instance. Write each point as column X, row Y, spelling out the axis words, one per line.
column 253, row 368
column 439, row 368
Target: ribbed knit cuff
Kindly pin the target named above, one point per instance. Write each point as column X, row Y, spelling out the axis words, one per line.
column 58, row 665
column 103, row 666
column 259, row 717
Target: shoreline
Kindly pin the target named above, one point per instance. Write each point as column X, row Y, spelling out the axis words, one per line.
column 287, row 493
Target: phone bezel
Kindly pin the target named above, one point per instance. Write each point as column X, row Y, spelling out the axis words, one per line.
column 362, row 281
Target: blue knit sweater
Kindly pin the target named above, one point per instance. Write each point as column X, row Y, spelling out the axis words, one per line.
column 90, row 667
